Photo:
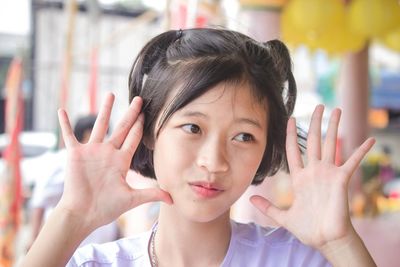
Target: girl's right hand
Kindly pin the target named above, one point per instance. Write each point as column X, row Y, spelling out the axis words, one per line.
column 95, row 187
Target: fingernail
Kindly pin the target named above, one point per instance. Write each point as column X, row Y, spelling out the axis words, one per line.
column 137, row 99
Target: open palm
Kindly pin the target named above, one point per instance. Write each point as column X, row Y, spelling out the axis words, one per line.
column 319, row 212
column 95, row 185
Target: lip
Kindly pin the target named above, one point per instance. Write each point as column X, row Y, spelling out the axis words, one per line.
column 206, row 189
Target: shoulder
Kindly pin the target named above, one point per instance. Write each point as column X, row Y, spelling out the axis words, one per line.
column 267, row 246
column 123, row 252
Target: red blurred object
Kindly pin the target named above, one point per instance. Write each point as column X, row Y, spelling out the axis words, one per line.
column 10, row 178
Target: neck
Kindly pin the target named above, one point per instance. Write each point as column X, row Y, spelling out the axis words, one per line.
column 181, row 242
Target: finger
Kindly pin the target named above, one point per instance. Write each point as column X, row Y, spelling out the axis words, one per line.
column 141, row 196
column 102, row 121
column 124, row 126
column 268, row 209
column 329, row 152
column 295, row 161
column 314, row 134
column 66, row 129
column 134, row 136
column 354, row 161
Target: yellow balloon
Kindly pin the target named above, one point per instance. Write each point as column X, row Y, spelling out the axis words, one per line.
column 340, row 39
column 373, row 18
column 315, row 16
column 336, row 38
column 392, row 39
column 291, row 34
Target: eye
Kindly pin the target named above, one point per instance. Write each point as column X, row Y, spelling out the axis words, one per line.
column 244, row 137
column 191, row 128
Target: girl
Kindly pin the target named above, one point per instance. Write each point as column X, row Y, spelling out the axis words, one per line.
column 209, row 115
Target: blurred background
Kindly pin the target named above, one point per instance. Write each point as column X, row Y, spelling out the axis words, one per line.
column 70, row 53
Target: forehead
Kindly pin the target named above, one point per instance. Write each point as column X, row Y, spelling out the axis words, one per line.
column 229, row 98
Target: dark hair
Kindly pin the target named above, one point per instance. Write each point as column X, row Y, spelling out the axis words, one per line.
column 84, row 124
column 193, row 61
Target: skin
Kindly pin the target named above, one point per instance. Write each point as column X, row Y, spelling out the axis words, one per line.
column 318, row 217
column 38, row 213
column 208, row 145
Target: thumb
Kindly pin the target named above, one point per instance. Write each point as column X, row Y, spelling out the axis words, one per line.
column 268, row 209
column 141, row 196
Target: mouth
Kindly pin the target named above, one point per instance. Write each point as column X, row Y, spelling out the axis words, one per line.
column 206, row 189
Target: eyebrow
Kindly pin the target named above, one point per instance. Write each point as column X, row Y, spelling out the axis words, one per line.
column 194, row 114
column 240, row 120
column 250, row 121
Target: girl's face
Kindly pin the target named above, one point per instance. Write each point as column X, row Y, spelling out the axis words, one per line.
column 208, row 152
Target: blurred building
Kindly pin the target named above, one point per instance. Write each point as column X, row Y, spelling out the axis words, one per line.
column 117, row 34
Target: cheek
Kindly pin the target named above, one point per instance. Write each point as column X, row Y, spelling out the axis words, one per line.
column 245, row 168
column 172, row 159
column 247, row 161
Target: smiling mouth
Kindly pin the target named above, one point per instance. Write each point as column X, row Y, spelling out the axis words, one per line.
column 205, row 190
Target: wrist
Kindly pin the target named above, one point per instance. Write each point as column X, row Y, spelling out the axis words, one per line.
column 65, row 226
column 337, row 246
column 349, row 250
column 74, row 221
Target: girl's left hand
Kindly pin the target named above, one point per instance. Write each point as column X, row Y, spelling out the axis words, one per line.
column 319, row 215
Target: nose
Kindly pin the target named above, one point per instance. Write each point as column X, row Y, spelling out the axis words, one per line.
column 212, row 156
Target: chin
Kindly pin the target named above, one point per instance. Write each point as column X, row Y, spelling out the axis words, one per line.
column 201, row 215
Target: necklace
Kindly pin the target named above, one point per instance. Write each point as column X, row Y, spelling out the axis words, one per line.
column 151, row 249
